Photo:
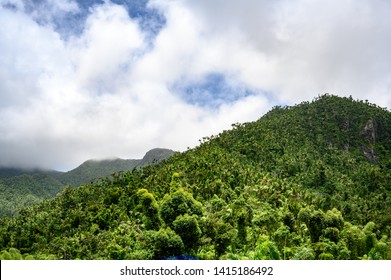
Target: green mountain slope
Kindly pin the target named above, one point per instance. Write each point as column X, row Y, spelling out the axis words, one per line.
column 95, row 169
column 310, row 181
column 20, row 187
column 26, row 189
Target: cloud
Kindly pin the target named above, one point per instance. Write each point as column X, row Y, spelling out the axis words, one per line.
column 297, row 49
column 167, row 73
column 106, row 49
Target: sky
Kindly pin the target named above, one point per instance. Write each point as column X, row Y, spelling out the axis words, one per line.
column 101, row 79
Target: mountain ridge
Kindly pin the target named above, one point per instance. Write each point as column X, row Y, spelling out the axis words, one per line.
column 90, row 169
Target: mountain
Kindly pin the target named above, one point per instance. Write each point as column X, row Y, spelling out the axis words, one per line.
column 310, row 181
column 95, row 169
column 23, row 187
column 6, row 172
column 155, row 156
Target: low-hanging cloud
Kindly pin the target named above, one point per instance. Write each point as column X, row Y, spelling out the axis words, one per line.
column 109, row 89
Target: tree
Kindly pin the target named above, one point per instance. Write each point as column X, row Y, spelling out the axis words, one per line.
column 164, row 243
column 355, row 241
column 242, row 228
column 149, row 207
column 314, row 219
column 220, row 233
column 188, row 229
column 178, row 203
column 266, row 249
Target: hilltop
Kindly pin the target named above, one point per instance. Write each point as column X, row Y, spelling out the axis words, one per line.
column 95, row 169
column 310, row 181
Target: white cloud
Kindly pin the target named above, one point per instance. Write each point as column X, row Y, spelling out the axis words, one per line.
column 108, row 92
column 298, row 49
column 107, row 48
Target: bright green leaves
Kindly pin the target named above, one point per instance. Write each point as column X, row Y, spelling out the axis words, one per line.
column 334, row 219
column 164, row 243
column 322, row 224
column 15, row 254
column 188, row 229
column 176, row 182
column 149, row 207
column 180, row 213
column 266, row 249
column 11, row 254
column 178, row 203
column 222, row 238
column 102, row 218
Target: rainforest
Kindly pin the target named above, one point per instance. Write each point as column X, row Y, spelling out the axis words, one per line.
column 304, row 182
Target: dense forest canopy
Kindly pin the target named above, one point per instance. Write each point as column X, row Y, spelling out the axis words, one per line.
column 310, row 181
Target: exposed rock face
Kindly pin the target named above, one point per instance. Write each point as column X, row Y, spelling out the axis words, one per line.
column 370, row 154
column 369, row 132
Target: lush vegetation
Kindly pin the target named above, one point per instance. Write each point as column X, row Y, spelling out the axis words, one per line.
column 20, row 187
column 26, row 189
column 310, row 181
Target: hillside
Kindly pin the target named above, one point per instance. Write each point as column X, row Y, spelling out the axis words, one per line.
column 311, row 181
column 26, row 188
column 21, row 187
column 95, row 169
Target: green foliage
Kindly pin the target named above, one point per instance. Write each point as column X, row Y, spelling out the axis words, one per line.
column 241, row 228
column 220, row 234
column 310, row 181
column 266, row 250
column 188, row 229
column 304, row 253
column 149, row 207
column 11, row 254
column 26, row 189
column 178, row 203
column 164, row 243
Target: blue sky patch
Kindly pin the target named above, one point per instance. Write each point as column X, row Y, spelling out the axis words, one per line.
column 211, row 91
column 150, row 19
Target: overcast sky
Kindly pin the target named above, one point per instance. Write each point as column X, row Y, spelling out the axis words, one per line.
column 97, row 79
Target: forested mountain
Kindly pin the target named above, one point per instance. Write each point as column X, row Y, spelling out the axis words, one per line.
column 311, row 181
column 21, row 187
column 95, row 169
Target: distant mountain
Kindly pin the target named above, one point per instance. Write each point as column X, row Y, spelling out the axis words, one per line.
column 7, row 172
column 22, row 187
column 95, row 169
